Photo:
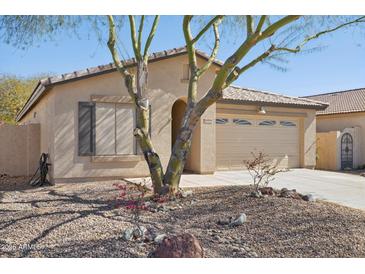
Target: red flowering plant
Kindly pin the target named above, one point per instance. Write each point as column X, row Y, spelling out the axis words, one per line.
column 132, row 196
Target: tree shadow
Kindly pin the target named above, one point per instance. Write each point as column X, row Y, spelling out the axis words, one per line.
column 96, row 207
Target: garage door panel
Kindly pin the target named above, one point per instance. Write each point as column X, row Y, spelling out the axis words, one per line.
column 235, row 143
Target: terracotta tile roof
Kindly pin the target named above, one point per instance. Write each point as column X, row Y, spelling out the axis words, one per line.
column 111, row 67
column 346, row 101
column 232, row 93
column 251, row 96
column 45, row 84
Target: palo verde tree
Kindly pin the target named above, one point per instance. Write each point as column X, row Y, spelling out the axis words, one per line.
column 278, row 35
column 275, row 36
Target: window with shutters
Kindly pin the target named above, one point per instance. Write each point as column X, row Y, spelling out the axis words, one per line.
column 114, row 124
column 109, row 131
column 86, row 128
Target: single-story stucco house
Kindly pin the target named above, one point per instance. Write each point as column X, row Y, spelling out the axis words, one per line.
column 341, row 129
column 86, row 121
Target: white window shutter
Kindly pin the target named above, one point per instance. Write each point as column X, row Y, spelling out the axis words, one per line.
column 125, row 117
column 105, row 129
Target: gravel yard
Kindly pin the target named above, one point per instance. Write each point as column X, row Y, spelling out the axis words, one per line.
column 80, row 220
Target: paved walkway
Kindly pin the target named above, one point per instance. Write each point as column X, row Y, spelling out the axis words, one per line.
column 345, row 189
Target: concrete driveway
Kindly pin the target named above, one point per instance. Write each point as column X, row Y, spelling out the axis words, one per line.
column 341, row 188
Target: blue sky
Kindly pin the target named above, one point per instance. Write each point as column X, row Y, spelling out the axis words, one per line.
column 339, row 66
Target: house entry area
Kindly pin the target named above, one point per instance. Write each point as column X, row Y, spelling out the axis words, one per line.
column 177, row 115
column 346, row 151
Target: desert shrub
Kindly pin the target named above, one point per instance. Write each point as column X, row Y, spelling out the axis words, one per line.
column 132, row 197
column 262, row 170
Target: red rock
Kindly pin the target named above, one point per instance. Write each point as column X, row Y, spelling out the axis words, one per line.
column 179, row 246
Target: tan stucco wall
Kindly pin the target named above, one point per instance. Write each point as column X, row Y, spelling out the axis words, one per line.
column 19, row 149
column 341, row 122
column 305, row 117
column 165, row 86
column 57, row 113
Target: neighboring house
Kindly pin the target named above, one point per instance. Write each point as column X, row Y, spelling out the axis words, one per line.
column 86, row 120
column 341, row 129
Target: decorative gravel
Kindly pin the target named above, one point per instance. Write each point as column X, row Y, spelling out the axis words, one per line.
column 80, row 220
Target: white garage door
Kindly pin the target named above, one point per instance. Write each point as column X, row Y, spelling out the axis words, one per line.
column 237, row 137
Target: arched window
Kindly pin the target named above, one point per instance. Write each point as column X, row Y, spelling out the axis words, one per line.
column 287, row 124
column 221, row 121
column 267, row 123
column 242, row 122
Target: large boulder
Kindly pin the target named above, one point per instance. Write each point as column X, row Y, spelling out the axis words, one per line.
column 179, row 246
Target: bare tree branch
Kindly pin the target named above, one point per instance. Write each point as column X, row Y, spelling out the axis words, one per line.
column 213, row 55
column 238, row 71
column 261, row 23
column 269, row 31
column 317, row 35
column 249, row 25
column 132, row 26
column 129, row 78
column 140, row 30
column 193, row 67
column 150, row 36
column 206, row 27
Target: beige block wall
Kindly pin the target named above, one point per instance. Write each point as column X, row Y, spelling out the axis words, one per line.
column 341, row 122
column 327, row 150
column 44, row 115
column 19, row 149
column 165, row 86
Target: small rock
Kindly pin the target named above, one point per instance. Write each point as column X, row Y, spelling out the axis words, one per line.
column 236, row 249
column 253, row 254
column 162, row 208
column 309, row 198
column 242, row 218
column 139, row 232
column 159, row 238
column 128, row 234
column 362, row 174
column 256, row 194
column 186, row 194
column 267, row 191
column 224, row 221
column 290, row 194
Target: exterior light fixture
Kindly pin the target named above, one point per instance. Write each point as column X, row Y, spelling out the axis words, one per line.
column 262, row 110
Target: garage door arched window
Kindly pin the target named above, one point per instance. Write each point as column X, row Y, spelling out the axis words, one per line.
column 267, row 123
column 346, row 151
column 221, row 121
column 287, row 124
column 242, row 122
